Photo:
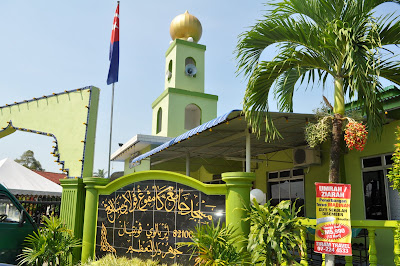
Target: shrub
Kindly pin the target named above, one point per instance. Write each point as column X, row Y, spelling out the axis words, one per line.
column 51, row 245
column 112, row 260
column 274, row 237
column 214, row 245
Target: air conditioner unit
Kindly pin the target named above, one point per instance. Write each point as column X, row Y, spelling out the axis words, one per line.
column 304, row 156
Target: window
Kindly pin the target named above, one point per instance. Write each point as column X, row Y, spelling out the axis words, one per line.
column 159, row 120
column 192, row 116
column 9, row 213
column 381, row 201
column 169, row 71
column 287, row 185
column 190, row 61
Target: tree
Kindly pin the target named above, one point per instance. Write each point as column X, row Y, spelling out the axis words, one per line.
column 28, row 160
column 316, row 40
column 100, row 173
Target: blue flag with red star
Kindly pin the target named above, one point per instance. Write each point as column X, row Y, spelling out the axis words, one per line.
column 114, row 50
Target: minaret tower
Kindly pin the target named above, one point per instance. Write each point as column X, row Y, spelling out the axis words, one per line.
column 183, row 105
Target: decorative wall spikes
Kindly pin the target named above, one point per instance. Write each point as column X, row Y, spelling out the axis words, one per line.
column 44, row 97
column 55, row 152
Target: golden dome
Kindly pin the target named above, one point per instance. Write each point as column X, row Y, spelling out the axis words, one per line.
column 184, row 26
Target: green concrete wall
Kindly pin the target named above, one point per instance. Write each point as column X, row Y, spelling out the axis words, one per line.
column 282, row 160
column 353, row 164
column 143, row 166
column 69, row 117
column 319, row 173
column 182, row 90
column 236, row 189
column 384, row 243
column 178, row 51
column 163, row 104
column 199, row 168
column 351, row 175
column 72, row 209
column 173, row 102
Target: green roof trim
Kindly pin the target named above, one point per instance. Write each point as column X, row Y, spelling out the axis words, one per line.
column 387, row 95
column 192, row 44
column 183, row 92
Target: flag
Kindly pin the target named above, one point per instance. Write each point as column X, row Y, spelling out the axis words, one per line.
column 114, row 50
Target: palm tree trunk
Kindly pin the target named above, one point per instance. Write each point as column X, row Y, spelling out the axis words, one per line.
column 334, row 165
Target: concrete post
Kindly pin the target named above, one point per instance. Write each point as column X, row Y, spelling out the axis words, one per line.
column 238, row 200
column 72, row 210
column 91, row 207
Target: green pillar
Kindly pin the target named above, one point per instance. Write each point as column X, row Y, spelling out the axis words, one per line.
column 237, row 200
column 91, row 206
column 303, row 235
column 373, row 259
column 72, row 209
column 396, row 251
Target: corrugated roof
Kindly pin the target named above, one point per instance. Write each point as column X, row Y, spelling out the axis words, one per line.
column 224, row 137
column 212, row 123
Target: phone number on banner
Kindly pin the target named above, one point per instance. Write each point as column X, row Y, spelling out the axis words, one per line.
column 343, row 249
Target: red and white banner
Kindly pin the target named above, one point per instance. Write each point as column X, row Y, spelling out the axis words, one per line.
column 333, row 230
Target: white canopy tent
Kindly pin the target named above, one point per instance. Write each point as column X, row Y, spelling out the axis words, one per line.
column 20, row 180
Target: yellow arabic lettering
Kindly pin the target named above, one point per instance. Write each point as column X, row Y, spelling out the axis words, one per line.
column 104, row 245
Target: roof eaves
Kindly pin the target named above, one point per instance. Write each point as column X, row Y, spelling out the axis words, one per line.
column 206, row 126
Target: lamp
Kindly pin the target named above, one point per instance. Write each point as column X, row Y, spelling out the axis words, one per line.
column 257, row 194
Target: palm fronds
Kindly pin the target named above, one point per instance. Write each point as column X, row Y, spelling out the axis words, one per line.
column 317, row 39
column 215, row 245
column 51, row 245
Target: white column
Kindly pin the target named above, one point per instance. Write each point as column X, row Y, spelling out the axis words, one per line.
column 188, row 164
column 329, row 260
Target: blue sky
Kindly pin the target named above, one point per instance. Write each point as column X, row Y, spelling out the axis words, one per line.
column 52, row 46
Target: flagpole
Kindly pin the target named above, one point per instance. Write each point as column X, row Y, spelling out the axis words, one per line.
column 113, row 75
column 111, row 123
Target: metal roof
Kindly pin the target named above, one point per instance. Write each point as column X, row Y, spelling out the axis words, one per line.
column 136, row 144
column 224, row 137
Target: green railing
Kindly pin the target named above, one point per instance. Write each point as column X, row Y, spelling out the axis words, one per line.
column 371, row 226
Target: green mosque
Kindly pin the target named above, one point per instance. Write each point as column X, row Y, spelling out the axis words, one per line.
column 188, row 138
column 198, row 167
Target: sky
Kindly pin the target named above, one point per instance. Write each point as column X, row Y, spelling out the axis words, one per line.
column 52, row 46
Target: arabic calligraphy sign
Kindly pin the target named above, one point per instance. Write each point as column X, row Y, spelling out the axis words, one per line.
column 147, row 219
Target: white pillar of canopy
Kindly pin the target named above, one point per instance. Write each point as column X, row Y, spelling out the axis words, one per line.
column 188, row 164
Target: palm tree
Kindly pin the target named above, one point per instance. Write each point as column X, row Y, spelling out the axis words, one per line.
column 51, row 245
column 100, row 173
column 320, row 40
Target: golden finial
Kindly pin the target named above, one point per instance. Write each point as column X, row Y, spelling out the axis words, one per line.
column 185, row 26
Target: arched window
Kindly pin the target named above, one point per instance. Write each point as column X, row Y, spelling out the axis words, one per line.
column 159, row 120
column 169, row 71
column 190, row 61
column 192, row 116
